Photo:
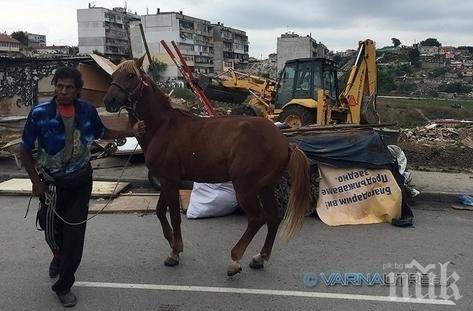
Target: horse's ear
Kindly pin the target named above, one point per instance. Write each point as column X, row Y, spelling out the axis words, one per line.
column 139, row 61
column 122, row 59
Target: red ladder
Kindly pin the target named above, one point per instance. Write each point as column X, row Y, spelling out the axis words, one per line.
column 187, row 74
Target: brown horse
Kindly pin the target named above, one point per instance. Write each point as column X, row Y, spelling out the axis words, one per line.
column 249, row 151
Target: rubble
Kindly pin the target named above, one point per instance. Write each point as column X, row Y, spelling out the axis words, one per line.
column 438, row 134
column 264, row 68
column 439, row 146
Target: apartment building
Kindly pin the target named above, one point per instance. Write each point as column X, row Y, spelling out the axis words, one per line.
column 193, row 36
column 36, row 40
column 230, row 48
column 292, row 46
column 105, row 31
column 207, row 48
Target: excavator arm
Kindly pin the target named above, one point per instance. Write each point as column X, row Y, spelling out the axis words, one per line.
column 359, row 95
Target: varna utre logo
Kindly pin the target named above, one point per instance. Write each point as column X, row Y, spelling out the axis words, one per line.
column 411, row 280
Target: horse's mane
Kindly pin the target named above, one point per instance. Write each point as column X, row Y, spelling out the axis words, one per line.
column 128, row 66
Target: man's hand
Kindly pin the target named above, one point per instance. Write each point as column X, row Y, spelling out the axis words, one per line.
column 39, row 188
column 139, row 128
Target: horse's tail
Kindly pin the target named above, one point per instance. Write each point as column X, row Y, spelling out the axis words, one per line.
column 299, row 196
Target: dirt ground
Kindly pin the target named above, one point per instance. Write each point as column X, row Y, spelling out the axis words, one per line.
column 438, row 158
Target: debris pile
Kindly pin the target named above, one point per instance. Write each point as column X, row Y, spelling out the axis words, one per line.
column 265, row 68
column 435, row 134
column 439, row 146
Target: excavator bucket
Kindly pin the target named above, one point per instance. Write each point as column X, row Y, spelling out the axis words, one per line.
column 214, row 90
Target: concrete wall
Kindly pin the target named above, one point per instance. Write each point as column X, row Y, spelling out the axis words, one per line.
column 292, row 48
column 91, row 30
column 156, row 28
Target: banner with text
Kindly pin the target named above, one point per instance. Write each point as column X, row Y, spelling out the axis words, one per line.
column 357, row 196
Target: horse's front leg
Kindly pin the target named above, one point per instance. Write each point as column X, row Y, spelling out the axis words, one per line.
column 161, row 209
column 171, row 190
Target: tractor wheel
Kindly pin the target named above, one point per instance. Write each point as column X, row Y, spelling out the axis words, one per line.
column 297, row 116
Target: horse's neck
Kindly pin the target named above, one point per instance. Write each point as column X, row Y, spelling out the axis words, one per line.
column 154, row 111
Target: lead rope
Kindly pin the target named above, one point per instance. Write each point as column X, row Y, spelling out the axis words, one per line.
column 51, row 198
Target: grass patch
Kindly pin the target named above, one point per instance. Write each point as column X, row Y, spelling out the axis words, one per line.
column 417, row 112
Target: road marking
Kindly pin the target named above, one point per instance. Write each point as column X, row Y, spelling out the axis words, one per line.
column 254, row 291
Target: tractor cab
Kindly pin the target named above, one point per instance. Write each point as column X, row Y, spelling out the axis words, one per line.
column 302, row 78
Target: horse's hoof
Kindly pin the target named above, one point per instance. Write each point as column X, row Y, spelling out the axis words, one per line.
column 257, row 265
column 233, row 272
column 257, row 262
column 171, row 262
column 233, row 268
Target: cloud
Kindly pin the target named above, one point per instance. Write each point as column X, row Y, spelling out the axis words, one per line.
column 339, row 24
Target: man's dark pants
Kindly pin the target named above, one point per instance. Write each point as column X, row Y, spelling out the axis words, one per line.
column 66, row 241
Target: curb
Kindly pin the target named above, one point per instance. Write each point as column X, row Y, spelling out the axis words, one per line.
column 441, row 197
column 134, row 182
column 425, row 196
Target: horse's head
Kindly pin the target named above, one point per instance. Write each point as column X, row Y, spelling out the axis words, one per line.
column 126, row 86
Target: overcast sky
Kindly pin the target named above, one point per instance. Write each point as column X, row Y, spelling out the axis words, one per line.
column 339, row 24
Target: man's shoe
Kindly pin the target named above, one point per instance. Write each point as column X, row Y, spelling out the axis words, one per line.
column 54, row 268
column 68, row 299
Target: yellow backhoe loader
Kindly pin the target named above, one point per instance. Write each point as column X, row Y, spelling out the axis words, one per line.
column 307, row 91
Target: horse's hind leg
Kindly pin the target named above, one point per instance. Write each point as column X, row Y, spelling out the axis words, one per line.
column 272, row 220
column 251, row 206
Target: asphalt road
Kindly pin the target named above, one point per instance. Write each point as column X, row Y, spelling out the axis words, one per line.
column 122, row 266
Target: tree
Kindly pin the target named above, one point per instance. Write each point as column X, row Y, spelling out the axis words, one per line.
column 386, row 80
column 156, row 68
column 431, row 42
column 20, row 36
column 396, row 42
column 413, row 56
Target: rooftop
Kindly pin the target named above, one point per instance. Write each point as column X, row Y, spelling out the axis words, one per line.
column 6, row 38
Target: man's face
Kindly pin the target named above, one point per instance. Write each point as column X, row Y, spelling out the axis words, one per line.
column 66, row 91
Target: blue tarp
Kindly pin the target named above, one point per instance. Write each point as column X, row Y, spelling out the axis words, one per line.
column 349, row 148
column 362, row 148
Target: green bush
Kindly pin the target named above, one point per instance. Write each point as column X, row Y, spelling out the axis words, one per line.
column 387, row 74
column 456, row 87
column 407, row 88
column 437, row 72
column 433, row 93
column 184, row 93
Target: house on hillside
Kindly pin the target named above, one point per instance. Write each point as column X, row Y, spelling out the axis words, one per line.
column 428, row 50
column 431, row 61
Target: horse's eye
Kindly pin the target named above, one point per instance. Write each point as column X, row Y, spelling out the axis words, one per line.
column 130, row 76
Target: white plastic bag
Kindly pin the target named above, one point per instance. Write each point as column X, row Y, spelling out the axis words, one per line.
column 211, row 200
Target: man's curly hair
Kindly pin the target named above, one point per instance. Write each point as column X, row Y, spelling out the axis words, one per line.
column 68, row 73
